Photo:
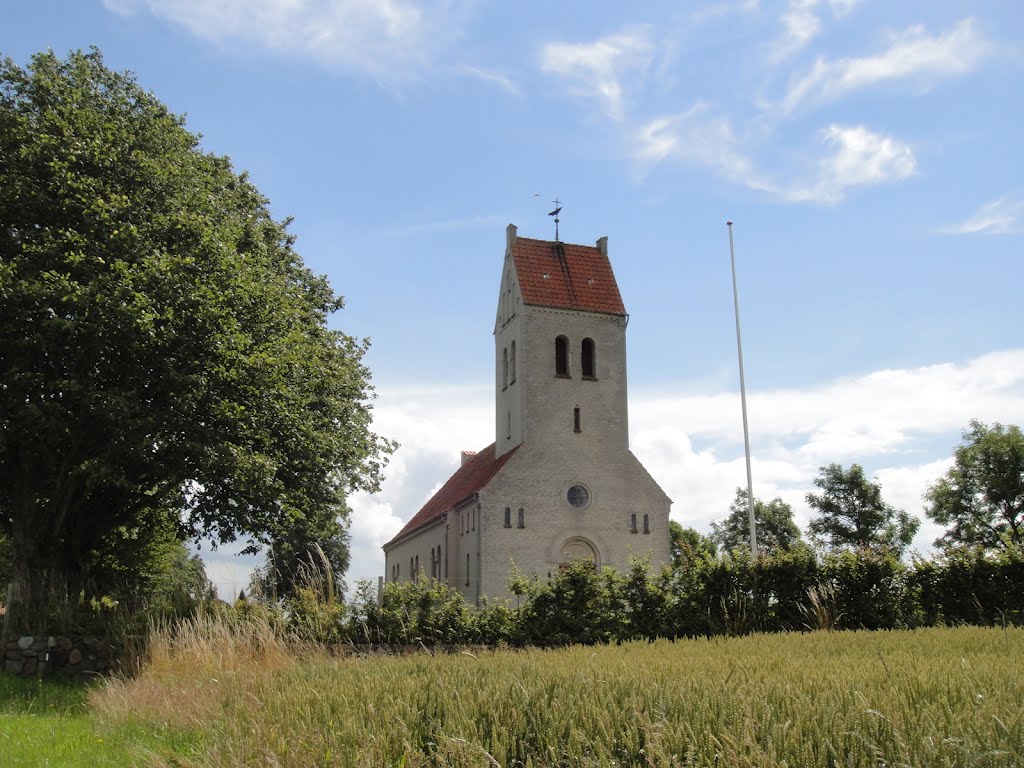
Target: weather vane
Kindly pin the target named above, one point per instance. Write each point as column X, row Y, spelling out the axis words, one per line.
column 558, row 209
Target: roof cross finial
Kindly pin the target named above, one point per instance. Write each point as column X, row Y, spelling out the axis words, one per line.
column 558, row 209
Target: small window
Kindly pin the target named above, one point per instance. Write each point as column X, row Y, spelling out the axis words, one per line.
column 587, row 359
column 576, row 419
column 416, row 571
column 412, row 569
column 473, row 519
column 504, row 368
column 521, row 520
column 467, row 569
column 512, row 364
column 562, row 356
column 508, row 425
column 508, row 517
column 647, row 523
column 632, row 523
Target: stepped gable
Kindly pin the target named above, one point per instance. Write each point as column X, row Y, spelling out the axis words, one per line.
column 473, row 475
column 566, row 276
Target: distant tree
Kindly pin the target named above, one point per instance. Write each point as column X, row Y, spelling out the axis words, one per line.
column 981, row 497
column 304, row 556
column 162, row 346
column 687, row 544
column 776, row 529
column 851, row 513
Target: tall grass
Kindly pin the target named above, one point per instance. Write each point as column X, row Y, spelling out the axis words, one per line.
column 926, row 697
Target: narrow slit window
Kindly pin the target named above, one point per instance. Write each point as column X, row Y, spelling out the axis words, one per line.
column 508, row 517
column 467, row 569
column 632, row 523
column 512, row 364
column 562, row 356
column 576, row 419
column 521, row 520
column 587, row 359
column 647, row 523
column 504, row 368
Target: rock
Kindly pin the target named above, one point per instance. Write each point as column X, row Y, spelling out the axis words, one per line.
column 39, row 645
column 15, row 654
column 25, row 643
column 13, row 667
column 74, row 657
column 51, row 642
column 64, row 643
column 29, row 667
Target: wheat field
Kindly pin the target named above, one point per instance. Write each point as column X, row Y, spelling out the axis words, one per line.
column 931, row 697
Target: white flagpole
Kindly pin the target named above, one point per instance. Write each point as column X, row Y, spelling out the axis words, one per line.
column 743, row 399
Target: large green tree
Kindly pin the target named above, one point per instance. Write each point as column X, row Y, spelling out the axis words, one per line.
column 852, row 514
column 162, row 345
column 776, row 529
column 981, row 498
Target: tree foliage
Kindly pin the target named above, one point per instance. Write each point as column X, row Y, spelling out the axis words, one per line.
column 305, row 553
column 688, row 545
column 981, row 497
column 852, row 514
column 162, row 346
column 776, row 529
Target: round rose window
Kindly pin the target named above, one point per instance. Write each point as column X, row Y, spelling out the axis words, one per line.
column 578, row 496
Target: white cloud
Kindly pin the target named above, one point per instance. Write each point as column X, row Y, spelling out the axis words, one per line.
column 912, row 53
column 386, row 39
column 900, row 424
column 998, row 217
column 854, row 157
column 696, row 137
column 598, row 69
column 503, row 81
column 859, row 158
column 800, row 25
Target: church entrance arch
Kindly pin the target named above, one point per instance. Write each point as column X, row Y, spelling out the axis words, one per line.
column 577, row 548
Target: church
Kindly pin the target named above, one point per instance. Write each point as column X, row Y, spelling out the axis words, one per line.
column 559, row 483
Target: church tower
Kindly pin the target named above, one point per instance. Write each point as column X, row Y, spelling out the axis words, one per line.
column 560, row 347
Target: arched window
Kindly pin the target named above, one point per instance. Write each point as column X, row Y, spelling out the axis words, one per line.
column 562, row 356
column 412, row 569
column 647, row 523
column 433, row 564
column 467, row 569
column 512, row 365
column 508, row 517
column 587, row 359
column 632, row 523
column 416, row 571
column 504, row 368
column 521, row 519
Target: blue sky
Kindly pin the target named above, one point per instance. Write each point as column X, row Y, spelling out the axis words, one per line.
column 868, row 153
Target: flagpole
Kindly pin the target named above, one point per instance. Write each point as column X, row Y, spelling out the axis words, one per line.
column 743, row 399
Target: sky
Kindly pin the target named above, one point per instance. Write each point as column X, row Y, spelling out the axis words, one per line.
column 867, row 152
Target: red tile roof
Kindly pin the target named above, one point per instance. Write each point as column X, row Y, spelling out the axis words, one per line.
column 467, row 480
column 566, row 276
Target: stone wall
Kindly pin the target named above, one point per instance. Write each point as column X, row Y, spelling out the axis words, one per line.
column 57, row 656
